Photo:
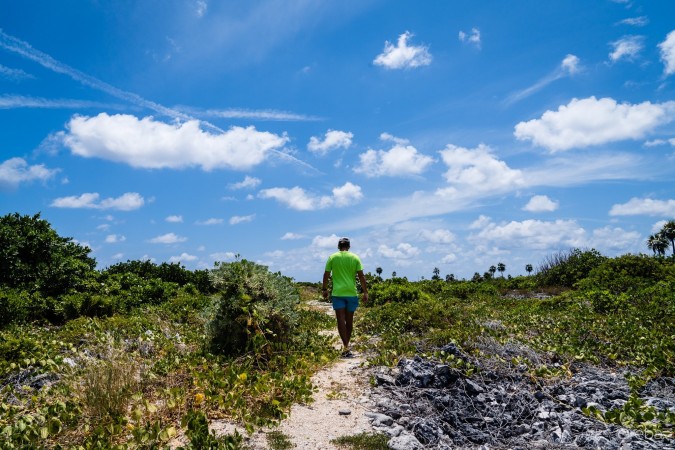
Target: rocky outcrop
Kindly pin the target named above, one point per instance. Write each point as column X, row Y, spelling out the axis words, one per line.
column 426, row 404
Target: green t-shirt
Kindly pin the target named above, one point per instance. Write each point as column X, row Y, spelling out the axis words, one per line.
column 344, row 266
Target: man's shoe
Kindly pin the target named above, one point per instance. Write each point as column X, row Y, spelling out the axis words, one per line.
column 347, row 354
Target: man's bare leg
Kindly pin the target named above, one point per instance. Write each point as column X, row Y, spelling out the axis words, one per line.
column 349, row 325
column 340, row 315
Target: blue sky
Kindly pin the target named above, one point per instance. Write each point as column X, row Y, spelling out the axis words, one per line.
column 439, row 134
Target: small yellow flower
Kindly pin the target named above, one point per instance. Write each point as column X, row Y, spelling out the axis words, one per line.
column 130, row 426
column 199, row 398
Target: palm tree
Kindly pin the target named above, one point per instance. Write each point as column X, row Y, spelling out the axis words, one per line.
column 668, row 231
column 393, row 274
column 501, row 267
column 528, row 268
column 492, row 271
column 379, row 272
column 658, row 244
column 437, row 274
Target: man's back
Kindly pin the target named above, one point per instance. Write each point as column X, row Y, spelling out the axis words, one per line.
column 344, row 265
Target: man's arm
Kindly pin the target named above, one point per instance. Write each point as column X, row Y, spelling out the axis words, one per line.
column 324, row 289
column 364, row 287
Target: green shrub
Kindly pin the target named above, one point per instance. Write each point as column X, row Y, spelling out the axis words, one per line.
column 256, row 309
column 20, row 306
column 201, row 438
column 627, row 273
column 168, row 272
column 518, row 283
column 386, row 292
column 187, row 304
column 566, row 268
column 651, row 301
column 34, row 257
column 465, row 289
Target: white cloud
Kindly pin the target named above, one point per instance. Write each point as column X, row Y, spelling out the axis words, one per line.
column 655, row 143
column 325, row 242
column 539, row 203
column 644, row 207
column 658, row 226
column 276, row 254
column 20, row 101
column 14, row 74
column 114, row 238
column 531, row 234
column 174, row 219
column 247, row 183
column 449, row 258
column 570, row 64
column 297, row 198
column 333, row 139
column 590, row 121
column 126, row 202
column 182, row 258
column 168, row 238
column 211, row 221
column 403, row 56
column 639, row 21
column 15, row 171
column 473, row 38
column 401, row 251
column 148, row 143
column 667, row 48
column 628, row 48
column 347, row 194
column 609, row 238
column 437, row 236
column 478, row 169
column 401, row 160
column 200, row 8
column 291, row 236
column 481, row 222
column 267, row 114
column 234, row 220
column 223, row 256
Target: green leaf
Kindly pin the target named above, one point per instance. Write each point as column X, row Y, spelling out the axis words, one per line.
column 54, row 426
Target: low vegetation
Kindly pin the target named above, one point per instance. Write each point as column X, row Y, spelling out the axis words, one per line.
column 138, row 354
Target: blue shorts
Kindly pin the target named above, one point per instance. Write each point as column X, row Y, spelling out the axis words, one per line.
column 349, row 303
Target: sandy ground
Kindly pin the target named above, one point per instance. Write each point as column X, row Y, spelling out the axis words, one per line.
column 341, row 387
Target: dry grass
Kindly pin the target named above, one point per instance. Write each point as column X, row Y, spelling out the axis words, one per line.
column 107, row 387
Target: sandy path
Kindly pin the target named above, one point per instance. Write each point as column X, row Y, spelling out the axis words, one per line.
column 341, row 386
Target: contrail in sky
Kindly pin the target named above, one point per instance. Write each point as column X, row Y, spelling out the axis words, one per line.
column 24, row 49
column 27, row 51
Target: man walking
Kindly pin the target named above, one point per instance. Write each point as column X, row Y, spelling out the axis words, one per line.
column 344, row 266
